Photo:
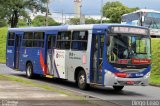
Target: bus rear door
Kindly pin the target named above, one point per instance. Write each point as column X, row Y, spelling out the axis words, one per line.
column 51, row 41
column 18, row 39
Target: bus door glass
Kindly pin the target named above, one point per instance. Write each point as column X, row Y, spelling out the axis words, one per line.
column 18, row 39
column 97, row 51
column 51, row 39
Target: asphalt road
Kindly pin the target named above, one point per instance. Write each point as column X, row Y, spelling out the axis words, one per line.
column 124, row 98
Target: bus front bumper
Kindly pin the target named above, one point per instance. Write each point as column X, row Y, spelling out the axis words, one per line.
column 110, row 79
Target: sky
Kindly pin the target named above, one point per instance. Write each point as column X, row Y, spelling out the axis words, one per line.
column 92, row 7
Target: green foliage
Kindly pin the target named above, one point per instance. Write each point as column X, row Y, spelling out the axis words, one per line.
column 3, row 34
column 76, row 21
column 22, row 22
column 3, row 23
column 13, row 9
column 91, row 21
column 114, row 11
column 40, row 21
column 155, row 73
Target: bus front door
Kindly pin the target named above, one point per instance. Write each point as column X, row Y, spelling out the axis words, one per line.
column 18, row 39
column 50, row 53
column 97, row 51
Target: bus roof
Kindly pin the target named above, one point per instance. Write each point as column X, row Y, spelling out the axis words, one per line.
column 143, row 10
column 67, row 27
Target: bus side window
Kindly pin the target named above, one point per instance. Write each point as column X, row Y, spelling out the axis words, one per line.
column 28, row 39
column 79, row 40
column 11, row 39
column 31, row 39
column 64, row 40
column 38, row 39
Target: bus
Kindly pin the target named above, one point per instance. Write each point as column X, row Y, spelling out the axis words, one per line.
column 144, row 17
column 100, row 54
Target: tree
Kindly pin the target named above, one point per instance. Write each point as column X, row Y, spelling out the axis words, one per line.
column 91, row 21
column 22, row 22
column 40, row 21
column 13, row 9
column 75, row 21
column 114, row 11
column 3, row 23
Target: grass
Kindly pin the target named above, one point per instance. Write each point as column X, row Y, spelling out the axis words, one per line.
column 3, row 34
column 155, row 72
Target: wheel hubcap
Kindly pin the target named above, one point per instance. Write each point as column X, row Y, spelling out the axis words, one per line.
column 82, row 79
column 29, row 71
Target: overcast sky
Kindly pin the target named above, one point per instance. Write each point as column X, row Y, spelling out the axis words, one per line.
column 92, row 7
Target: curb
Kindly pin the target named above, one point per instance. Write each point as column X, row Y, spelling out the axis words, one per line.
column 154, row 85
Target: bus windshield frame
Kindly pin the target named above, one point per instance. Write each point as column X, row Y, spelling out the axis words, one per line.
column 127, row 50
column 152, row 20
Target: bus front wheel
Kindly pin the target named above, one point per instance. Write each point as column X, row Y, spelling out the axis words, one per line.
column 81, row 80
column 29, row 71
column 118, row 88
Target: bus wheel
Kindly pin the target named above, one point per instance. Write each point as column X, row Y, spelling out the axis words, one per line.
column 29, row 71
column 118, row 88
column 82, row 83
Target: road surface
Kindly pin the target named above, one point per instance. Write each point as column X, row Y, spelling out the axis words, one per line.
column 124, row 98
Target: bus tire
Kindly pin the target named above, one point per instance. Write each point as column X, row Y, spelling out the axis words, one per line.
column 118, row 88
column 29, row 71
column 81, row 80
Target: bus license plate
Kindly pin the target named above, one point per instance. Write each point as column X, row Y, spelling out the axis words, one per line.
column 130, row 82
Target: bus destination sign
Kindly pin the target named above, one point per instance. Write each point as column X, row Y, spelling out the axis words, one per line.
column 130, row 30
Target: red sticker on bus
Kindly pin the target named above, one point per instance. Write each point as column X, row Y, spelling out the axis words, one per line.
column 141, row 61
column 123, row 61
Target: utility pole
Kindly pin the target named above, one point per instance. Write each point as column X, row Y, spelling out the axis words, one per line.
column 62, row 16
column 78, row 8
column 78, row 11
column 47, row 10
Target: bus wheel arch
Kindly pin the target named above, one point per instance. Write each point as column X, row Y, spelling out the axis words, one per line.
column 29, row 70
column 80, row 78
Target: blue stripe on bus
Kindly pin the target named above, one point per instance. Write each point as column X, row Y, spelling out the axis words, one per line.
column 56, row 69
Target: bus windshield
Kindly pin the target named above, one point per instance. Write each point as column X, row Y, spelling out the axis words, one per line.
column 152, row 20
column 125, row 49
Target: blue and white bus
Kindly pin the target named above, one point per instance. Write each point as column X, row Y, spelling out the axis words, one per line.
column 101, row 54
column 144, row 17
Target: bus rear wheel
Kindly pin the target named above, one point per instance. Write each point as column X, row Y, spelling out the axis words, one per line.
column 29, row 71
column 118, row 88
column 81, row 80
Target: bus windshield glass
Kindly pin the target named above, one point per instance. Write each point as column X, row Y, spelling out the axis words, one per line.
column 129, row 49
column 152, row 20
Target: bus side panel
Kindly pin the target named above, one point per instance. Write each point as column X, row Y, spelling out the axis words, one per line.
column 22, row 65
column 60, row 57
column 32, row 55
column 10, row 57
column 77, row 59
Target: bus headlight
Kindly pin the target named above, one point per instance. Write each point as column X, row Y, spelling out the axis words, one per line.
column 147, row 75
column 109, row 73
